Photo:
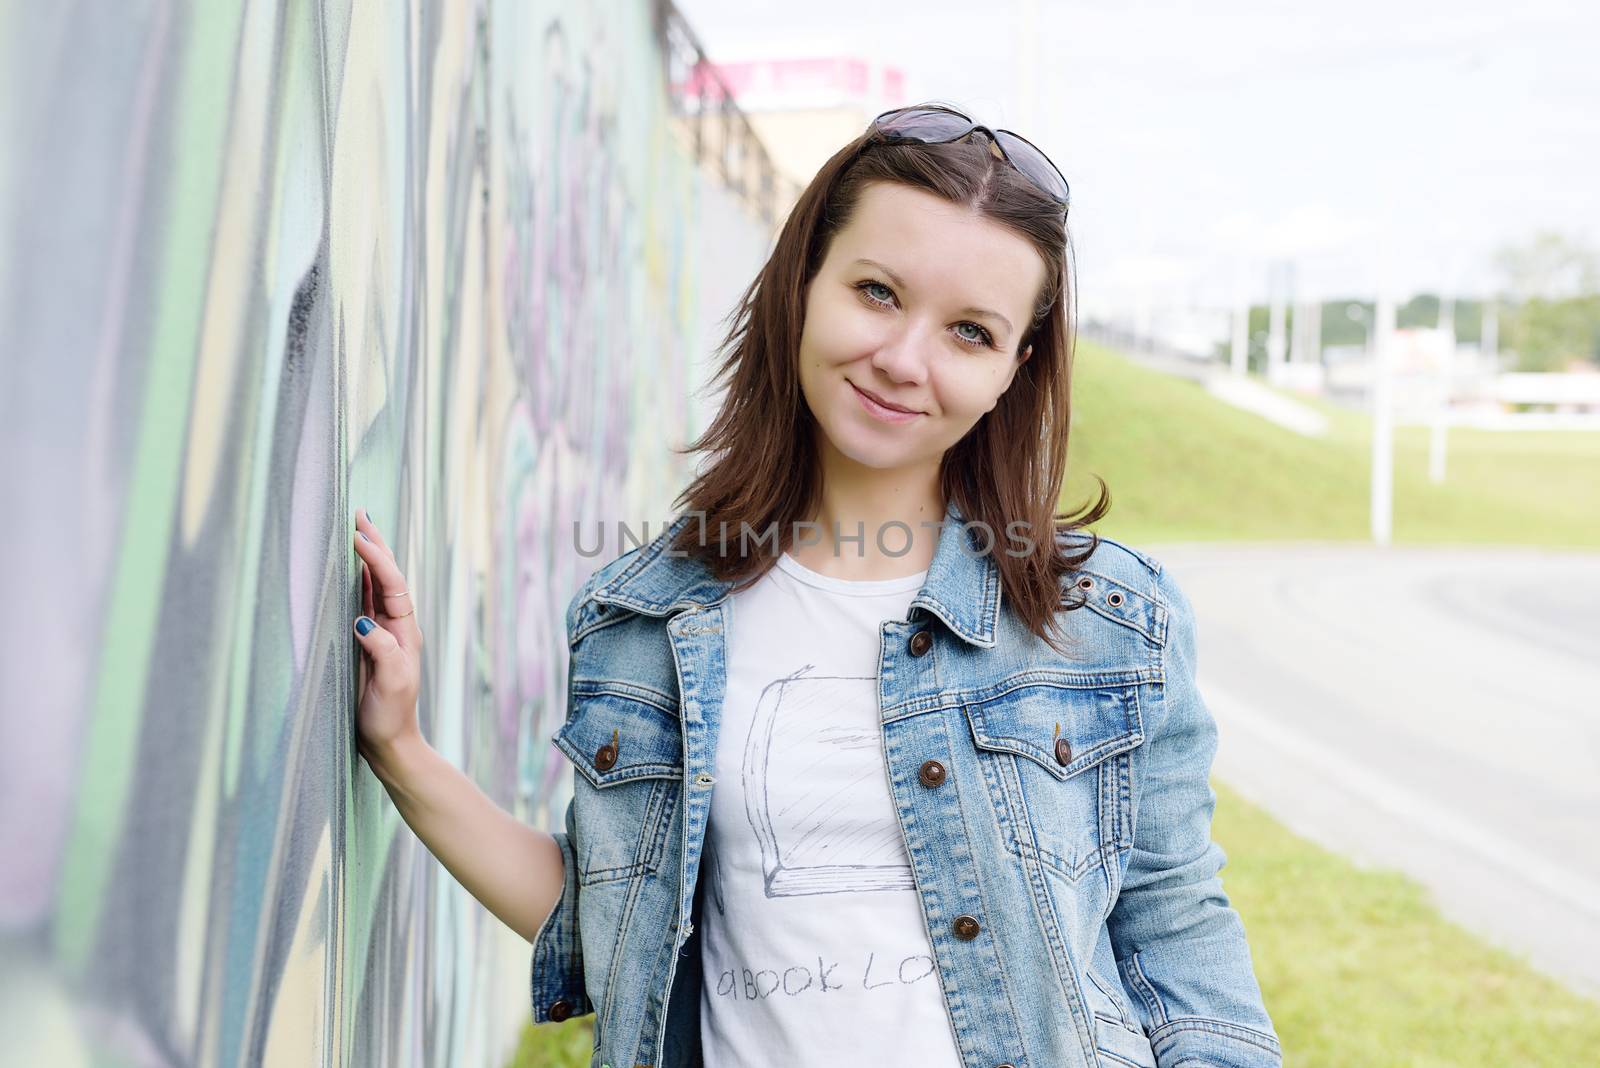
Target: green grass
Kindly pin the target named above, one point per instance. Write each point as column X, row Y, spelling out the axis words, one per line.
column 1356, row 966
column 1182, row 465
column 556, row 1045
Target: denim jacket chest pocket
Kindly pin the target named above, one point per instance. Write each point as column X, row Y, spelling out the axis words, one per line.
column 628, row 752
column 1055, row 756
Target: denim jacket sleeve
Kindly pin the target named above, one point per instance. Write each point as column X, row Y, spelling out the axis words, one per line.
column 557, row 951
column 557, row 972
column 1179, row 944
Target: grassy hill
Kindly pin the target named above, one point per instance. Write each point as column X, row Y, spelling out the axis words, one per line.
column 1182, row 465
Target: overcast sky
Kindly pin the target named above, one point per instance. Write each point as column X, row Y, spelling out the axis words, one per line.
column 1373, row 142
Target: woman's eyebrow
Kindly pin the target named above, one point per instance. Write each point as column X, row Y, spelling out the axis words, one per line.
column 901, row 282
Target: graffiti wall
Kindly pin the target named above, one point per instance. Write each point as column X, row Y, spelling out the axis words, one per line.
column 263, row 264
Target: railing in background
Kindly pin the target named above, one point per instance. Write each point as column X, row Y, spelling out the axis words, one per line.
column 709, row 117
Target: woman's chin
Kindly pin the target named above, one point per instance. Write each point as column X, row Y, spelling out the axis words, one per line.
column 858, row 447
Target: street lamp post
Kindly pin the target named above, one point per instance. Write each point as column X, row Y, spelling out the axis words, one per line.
column 1382, row 505
column 1443, row 389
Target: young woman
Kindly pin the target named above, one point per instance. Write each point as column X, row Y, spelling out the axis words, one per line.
column 879, row 760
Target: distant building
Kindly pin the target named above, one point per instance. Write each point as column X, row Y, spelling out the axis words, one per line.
column 1480, row 393
column 802, row 109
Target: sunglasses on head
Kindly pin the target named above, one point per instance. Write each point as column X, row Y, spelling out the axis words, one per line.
column 932, row 125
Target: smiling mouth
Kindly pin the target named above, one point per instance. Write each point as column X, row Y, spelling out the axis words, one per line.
column 883, row 403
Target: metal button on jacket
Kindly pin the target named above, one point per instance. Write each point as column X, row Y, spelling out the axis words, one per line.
column 966, row 927
column 1063, row 751
column 561, row 1010
column 932, row 773
column 921, row 642
column 605, row 756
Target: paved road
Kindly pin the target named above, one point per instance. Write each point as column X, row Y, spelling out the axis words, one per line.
column 1433, row 710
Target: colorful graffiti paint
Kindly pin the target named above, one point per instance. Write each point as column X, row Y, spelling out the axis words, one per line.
column 266, row 263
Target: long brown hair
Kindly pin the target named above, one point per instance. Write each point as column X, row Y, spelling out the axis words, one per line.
column 764, row 471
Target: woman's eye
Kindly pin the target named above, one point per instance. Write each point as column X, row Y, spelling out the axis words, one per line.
column 887, row 298
column 982, row 336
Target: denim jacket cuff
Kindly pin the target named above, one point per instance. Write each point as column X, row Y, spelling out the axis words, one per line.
column 557, row 975
column 1201, row 1042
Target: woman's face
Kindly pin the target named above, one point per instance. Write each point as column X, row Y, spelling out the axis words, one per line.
column 920, row 304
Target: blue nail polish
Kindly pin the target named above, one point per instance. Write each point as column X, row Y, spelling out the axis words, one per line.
column 363, row 535
column 364, row 626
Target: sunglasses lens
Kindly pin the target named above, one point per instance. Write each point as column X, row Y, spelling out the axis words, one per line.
column 936, row 125
column 925, row 124
column 1035, row 164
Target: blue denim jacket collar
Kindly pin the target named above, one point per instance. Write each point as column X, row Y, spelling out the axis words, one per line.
column 962, row 587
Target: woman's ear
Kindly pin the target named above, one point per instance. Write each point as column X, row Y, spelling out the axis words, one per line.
column 1025, row 354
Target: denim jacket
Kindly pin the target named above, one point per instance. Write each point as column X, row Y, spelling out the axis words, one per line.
column 1073, row 821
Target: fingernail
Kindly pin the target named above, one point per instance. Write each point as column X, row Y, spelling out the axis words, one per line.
column 364, row 626
column 363, row 535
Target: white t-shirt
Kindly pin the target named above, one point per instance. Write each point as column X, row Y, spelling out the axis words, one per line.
column 813, row 943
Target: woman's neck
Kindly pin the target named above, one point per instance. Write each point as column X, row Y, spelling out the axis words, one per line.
column 872, row 528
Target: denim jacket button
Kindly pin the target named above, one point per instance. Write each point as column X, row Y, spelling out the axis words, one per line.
column 921, row 642
column 1063, row 752
column 605, row 756
column 560, row 1010
column 932, row 773
column 966, row 928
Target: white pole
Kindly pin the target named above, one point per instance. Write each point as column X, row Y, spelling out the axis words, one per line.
column 1275, row 328
column 1441, row 411
column 1239, row 354
column 1489, row 343
column 1240, row 362
column 1297, row 334
column 1317, row 380
column 1383, row 420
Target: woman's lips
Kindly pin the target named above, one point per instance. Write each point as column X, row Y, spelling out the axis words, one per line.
column 879, row 410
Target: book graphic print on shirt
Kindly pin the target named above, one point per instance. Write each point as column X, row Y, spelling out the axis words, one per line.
column 813, row 783
column 815, row 949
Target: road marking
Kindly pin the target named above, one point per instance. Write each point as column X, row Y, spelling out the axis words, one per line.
column 1407, row 805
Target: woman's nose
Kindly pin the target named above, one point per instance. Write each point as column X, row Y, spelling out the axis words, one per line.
column 903, row 357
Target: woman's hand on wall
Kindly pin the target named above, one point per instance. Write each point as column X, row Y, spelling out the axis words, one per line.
column 392, row 643
column 518, row 872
